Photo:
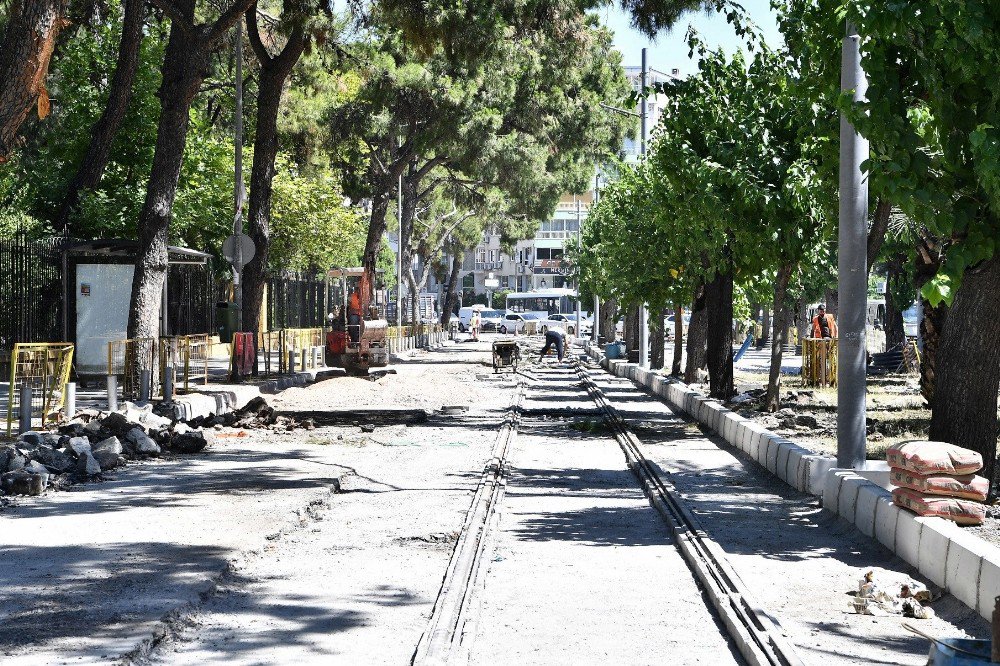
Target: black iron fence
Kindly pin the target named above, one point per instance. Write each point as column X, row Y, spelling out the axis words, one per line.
column 296, row 300
column 31, row 296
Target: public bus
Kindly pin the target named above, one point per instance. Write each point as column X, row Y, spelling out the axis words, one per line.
column 542, row 302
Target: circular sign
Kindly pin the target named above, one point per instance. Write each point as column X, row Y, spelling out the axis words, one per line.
column 238, row 243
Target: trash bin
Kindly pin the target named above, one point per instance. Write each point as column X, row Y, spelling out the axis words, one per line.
column 226, row 319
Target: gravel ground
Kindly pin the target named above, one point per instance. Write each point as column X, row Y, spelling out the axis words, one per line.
column 584, row 570
column 801, row 563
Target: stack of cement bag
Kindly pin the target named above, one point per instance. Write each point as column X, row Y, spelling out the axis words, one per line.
column 938, row 479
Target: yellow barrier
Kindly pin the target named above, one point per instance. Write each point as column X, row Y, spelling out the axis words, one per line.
column 126, row 357
column 819, row 362
column 301, row 340
column 45, row 367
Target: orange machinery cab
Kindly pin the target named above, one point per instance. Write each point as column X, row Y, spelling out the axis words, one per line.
column 356, row 347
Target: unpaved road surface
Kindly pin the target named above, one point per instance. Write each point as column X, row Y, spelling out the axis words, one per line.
column 330, row 546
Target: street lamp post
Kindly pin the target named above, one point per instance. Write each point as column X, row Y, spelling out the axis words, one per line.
column 643, row 312
column 596, row 314
column 852, row 267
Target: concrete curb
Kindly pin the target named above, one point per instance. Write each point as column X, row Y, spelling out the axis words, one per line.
column 965, row 565
column 223, row 399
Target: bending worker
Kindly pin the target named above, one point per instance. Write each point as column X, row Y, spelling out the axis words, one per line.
column 557, row 337
column 823, row 325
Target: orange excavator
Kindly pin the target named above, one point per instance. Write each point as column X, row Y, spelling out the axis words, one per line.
column 358, row 335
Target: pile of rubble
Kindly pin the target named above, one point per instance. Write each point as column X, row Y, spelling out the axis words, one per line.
column 257, row 414
column 90, row 444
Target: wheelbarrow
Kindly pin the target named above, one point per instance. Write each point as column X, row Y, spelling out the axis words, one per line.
column 506, row 354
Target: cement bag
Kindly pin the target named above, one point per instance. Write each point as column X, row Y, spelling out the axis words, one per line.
column 963, row 512
column 965, row 486
column 933, row 458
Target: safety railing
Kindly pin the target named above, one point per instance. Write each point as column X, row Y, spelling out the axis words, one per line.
column 819, row 362
column 297, row 348
column 131, row 359
column 45, row 369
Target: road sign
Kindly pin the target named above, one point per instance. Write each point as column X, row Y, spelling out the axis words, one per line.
column 491, row 282
column 229, row 248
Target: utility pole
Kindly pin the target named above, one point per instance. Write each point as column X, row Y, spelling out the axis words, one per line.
column 595, row 316
column 240, row 193
column 579, row 327
column 399, row 260
column 643, row 313
column 852, row 267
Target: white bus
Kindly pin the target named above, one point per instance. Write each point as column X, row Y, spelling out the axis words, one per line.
column 542, row 302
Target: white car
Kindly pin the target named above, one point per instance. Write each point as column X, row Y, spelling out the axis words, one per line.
column 567, row 322
column 517, row 322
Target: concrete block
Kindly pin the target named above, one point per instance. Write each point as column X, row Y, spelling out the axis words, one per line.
column 743, row 432
column 756, row 442
column 781, row 464
column 817, row 469
column 935, row 540
column 770, row 461
column 867, row 505
column 847, row 502
column 831, row 488
column 704, row 412
column 735, row 423
column 886, row 518
column 964, row 566
column 909, row 527
column 795, row 468
column 989, row 585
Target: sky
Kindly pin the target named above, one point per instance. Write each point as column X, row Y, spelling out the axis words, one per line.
column 670, row 50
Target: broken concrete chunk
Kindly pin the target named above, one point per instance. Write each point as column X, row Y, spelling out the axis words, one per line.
column 92, row 427
column 21, row 483
column 117, row 424
column 189, row 442
column 78, row 446
column 108, row 459
column 31, row 438
column 11, row 459
column 144, row 445
column 87, row 465
column 806, row 420
column 111, row 444
column 54, row 460
column 72, row 429
column 35, row 467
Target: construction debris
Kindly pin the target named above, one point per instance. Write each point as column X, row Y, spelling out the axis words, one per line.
column 872, row 599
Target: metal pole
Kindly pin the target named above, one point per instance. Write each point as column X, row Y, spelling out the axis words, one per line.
column 112, row 393
column 70, row 399
column 579, row 327
column 24, row 409
column 596, row 316
column 852, row 268
column 399, row 259
column 239, row 195
column 643, row 313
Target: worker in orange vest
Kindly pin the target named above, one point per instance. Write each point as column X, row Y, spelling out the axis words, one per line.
column 354, row 316
column 823, row 325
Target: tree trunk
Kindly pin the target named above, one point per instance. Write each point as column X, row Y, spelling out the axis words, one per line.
column 185, row 65
column 876, row 235
column 632, row 323
column 719, row 306
column 675, row 368
column 778, row 335
column 91, row 169
column 931, row 327
column 802, row 319
column 609, row 320
column 452, row 299
column 833, row 302
column 274, row 72
column 895, row 335
column 697, row 342
column 964, row 408
column 24, row 63
column 657, row 339
column 765, row 326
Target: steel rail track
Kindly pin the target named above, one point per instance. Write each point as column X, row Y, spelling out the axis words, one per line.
column 452, row 620
column 756, row 635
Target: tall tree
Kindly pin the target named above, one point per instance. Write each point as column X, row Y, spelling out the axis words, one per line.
column 95, row 159
column 185, row 66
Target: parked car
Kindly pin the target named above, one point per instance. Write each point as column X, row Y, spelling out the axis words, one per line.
column 668, row 325
column 517, row 322
column 910, row 321
column 491, row 320
column 465, row 316
column 567, row 322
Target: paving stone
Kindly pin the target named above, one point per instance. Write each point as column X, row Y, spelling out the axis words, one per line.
column 989, row 585
column 867, row 505
column 847, row 502
column 886, row 518
column 932, row 557
column 964, row 566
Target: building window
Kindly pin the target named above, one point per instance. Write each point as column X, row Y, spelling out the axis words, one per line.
column 481, row 256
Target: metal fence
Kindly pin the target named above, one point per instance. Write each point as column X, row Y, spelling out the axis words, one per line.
column 44, row 368
column 32, row 294
column 819, row 362
column 296, row 300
